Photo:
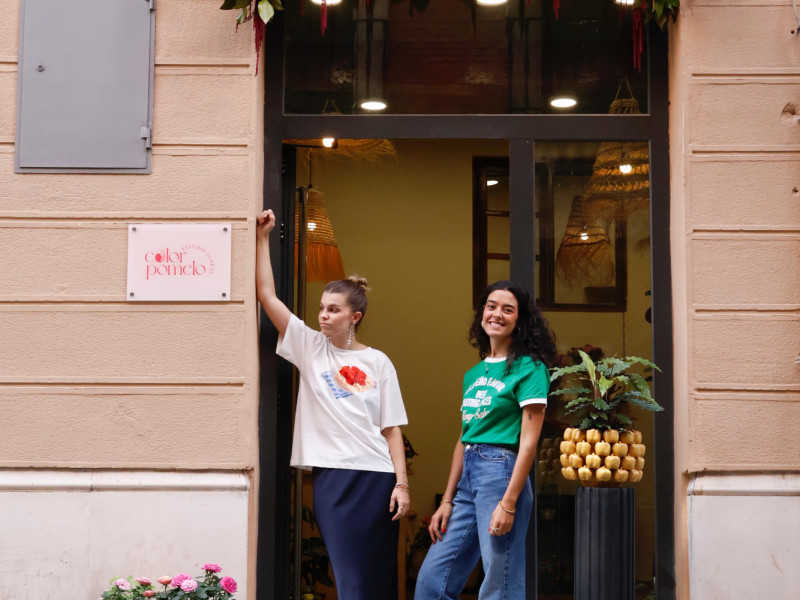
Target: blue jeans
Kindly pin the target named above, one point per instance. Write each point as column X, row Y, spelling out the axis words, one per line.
column 487, row 471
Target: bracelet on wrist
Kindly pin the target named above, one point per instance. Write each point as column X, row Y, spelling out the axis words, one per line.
column 446, row 501
column 510, row 512
column 404, row 487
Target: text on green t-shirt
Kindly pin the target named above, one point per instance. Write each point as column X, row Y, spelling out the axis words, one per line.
column 492, row 403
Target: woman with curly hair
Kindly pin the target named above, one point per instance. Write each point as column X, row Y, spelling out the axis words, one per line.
column 487, row 504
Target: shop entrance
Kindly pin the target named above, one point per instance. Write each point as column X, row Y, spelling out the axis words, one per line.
column 429, row 223
column 425, row 226
column 401, row 214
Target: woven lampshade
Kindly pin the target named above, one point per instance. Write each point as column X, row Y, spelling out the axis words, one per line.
column 358, row 149
column 585, row 255
column 354, row 149
column 611, row 192
column 323, row 260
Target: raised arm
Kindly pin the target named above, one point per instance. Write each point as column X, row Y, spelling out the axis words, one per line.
column 276, row 310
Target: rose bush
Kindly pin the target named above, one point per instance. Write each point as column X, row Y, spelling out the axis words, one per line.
column 209, row 586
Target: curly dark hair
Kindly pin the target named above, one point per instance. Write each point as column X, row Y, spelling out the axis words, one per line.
column 532, row 335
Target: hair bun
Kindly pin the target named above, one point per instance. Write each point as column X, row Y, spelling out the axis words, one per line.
column 360, row 281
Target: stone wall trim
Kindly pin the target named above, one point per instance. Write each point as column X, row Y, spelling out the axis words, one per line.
column 92, row 480
column 745, row 484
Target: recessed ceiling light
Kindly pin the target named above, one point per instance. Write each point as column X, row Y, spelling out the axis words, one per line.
column 625, row 169
column 490, row 182
column 622, row 2
column 329, row 2
column 329, row 142
column 373, row 104
column 491, row 2
column 563, row 102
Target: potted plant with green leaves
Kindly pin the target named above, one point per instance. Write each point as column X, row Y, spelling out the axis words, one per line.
column 603, row 448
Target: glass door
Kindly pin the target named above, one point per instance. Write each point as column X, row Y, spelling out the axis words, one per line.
column 591, row 272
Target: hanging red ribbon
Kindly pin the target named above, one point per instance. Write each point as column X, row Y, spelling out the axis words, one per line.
column 638, row 36
column 324, row 17
column 555, row 7
column 258, row 28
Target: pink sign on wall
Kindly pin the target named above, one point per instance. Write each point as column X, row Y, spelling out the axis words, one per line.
column 179, row 262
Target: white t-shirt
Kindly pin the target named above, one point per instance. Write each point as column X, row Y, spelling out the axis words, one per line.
column 346, row 398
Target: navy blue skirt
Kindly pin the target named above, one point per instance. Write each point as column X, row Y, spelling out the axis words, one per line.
column 352, row 511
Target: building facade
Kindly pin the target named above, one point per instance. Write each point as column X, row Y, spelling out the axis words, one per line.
column 149, row 438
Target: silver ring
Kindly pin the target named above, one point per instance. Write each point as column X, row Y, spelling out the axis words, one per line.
column 496, row 530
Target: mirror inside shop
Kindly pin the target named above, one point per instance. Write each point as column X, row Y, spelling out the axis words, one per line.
column 427, row 223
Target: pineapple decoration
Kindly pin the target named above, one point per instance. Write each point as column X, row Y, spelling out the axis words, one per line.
column 603, row 449
column 607, row 458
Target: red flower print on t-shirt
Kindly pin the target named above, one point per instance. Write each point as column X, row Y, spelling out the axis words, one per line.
column 353, row 375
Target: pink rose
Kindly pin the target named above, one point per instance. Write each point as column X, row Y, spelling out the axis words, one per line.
column 189, row 585
column 148, row 593
column 165, row 580
column 144, row 581
column 123, row 585
column 212, row 568
column 228, row 584
column 179, row 579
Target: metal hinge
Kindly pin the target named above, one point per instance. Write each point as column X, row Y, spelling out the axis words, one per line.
column 146, row 133
column 152, row 4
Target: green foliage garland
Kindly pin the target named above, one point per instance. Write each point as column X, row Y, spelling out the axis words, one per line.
column 644, row 11
column 659, row 11
column 265, row 8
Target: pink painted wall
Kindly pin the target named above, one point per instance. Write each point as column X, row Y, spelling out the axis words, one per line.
column 86, row 379
column 734, row 64
column 736, row 169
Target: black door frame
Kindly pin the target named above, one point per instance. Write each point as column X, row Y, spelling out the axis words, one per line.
column 520, row 130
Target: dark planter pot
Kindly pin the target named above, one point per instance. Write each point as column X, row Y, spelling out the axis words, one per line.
column 604, row 543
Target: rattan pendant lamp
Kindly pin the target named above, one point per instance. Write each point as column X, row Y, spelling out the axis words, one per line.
column 323, row 259
column 619, row 185
column 585, row 255
column 620, row 181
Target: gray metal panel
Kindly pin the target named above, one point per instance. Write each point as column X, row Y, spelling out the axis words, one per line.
column 85, row 85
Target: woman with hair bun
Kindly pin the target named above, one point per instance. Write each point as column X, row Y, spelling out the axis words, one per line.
column 486, row 506
column 347, row 429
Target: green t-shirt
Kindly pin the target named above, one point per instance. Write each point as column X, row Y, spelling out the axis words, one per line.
column 492, row 406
